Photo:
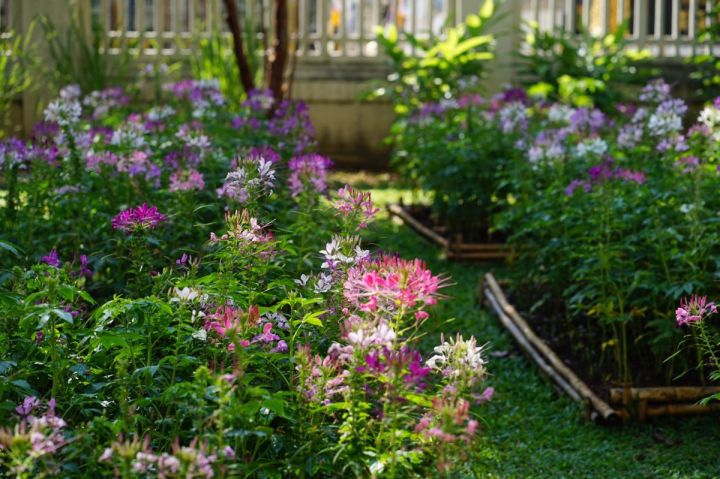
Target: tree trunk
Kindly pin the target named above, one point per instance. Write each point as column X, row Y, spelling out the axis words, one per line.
column 233, row 22
column 279, row 61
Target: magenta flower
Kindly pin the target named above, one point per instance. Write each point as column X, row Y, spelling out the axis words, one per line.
column 631, row 176
column 143, row 217
column 688, row 163
column 84, row 270
column 694, row 310
column 575, row 184
column 230, row 322
column 281, row 347
column 485, row 396
column 52, row 259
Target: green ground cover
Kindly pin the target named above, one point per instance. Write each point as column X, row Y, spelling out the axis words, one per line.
column 531, row 431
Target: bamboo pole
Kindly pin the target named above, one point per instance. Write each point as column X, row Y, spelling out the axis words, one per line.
column 607, row 413
column 401, row 213
column 476, row 256
column 663, row 394
column 681, row 409
column 494, row 247
column 530, row 349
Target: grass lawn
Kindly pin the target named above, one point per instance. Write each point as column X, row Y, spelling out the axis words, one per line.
column 531, row 431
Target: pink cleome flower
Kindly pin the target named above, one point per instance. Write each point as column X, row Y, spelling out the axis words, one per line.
column 355, row 203
column 231, row 322
column 390, row 282
column 694, row 310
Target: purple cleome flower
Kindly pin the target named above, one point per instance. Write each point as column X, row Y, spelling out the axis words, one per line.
column 52, row 259
column 143, row 217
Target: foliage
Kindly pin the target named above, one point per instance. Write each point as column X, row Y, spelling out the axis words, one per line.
column 580, row 69
column 706, row 64
column 80, row 57
column 215, row 60
column 17, row 62
column 438, row 66
column 450, row 150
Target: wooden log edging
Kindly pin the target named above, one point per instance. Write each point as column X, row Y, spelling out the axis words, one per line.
column 663, row 394
column 457, row 251
column 544, row 357
column 400, row 212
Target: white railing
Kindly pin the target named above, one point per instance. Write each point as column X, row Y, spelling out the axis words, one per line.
column 319, row 29
column 667, row 28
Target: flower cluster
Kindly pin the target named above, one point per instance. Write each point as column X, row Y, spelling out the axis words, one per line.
column 191, row 461
column 322, row 378
column 462, row 364
column 342, row 252
column 13, row 152
column 308, row 173
column 203, row 95
column 404, row 362
column 389, row 284
column 33, row 441
column 139, row 218
column 355, row 205
column 187, row 180
column 101, row 102
column 694, row 310
column 65, row 112
column 245, row 233
column 232, row 323
column 602, row 173
column 253, row 178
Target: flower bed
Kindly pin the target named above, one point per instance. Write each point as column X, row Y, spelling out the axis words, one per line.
column 610, row 217
column 183, row 298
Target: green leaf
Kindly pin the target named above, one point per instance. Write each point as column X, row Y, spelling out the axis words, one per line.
column 9, row 247
column 314, row 318
column 276, row 405
column 64, row 315
column 487, row 10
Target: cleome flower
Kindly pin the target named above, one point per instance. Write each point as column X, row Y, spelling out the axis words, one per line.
column 308, row 173
column 389, row 284
column 355, row 205
column 460, row 361
column 140, row 218
column 694, row 310
column 254, row 177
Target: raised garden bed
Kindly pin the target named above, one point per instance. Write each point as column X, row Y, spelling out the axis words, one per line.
column 606, row 405
column 455, row 247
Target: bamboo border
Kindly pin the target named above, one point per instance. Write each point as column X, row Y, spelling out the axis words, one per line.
column 646, row 402
column 453, row 251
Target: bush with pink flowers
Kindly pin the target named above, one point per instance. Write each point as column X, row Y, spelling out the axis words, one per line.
column 185, row 298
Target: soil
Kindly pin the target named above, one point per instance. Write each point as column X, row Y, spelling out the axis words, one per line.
column 469, row 234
